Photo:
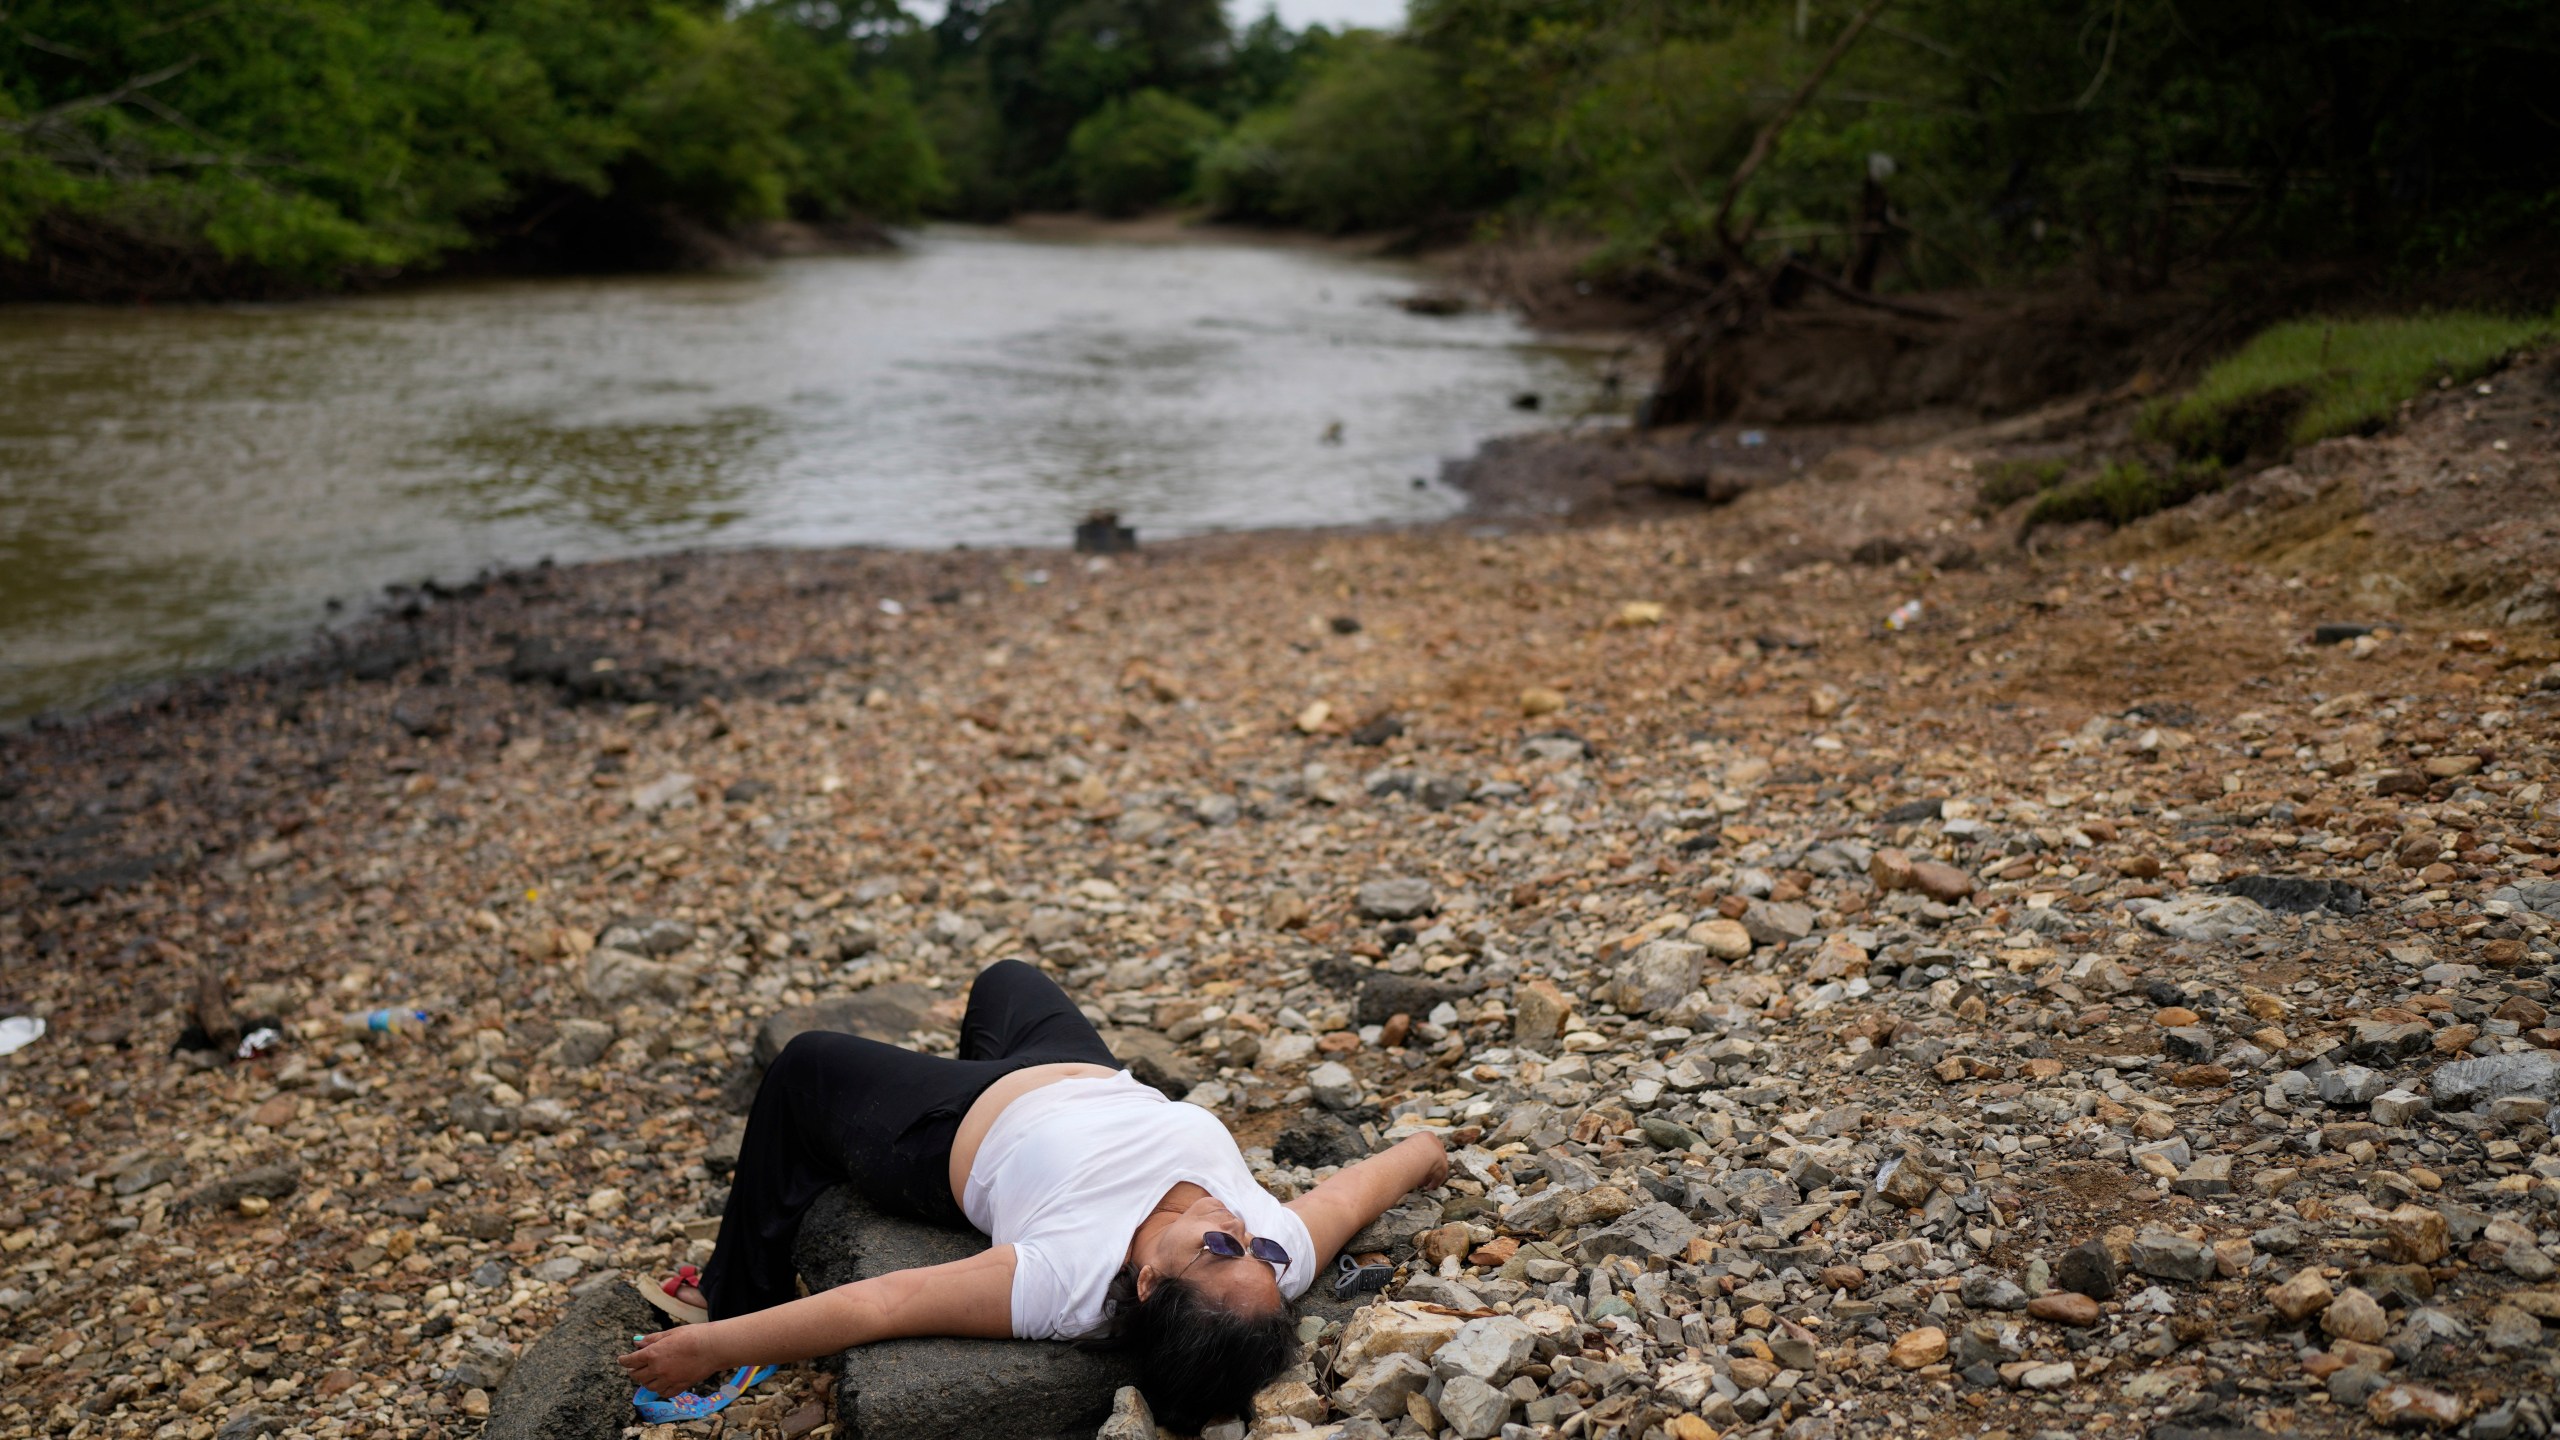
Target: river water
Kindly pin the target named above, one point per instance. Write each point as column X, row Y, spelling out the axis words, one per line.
column 190, row 488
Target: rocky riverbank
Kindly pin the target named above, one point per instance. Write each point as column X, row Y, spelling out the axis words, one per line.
column 2080, row 1002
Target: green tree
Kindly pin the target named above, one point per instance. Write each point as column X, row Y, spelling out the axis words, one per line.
column 1138, row 151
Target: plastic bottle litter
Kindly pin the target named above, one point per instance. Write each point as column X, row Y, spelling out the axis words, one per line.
column 1903, row 616
column 391, row 1021
column 18, row 1032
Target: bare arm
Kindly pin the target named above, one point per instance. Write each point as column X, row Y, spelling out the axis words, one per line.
column 1353, row 1196
column 972, row 1297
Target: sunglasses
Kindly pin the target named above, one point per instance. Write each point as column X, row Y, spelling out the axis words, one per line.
column 1223, row 1245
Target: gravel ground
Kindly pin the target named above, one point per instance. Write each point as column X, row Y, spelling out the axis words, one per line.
column 2090, row 1007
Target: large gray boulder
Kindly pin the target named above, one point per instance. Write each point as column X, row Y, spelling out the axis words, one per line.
column 566, row 1385
column 2470, row 1084
column 990, row 1389
column 884, row 1013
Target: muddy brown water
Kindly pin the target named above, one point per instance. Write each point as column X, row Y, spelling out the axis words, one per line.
column 190, row 489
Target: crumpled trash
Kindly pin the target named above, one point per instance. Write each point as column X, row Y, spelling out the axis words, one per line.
column 1904, row 616
column 1354, row 1278
column 256, row 1043
column 18, row 1032
column 660, row 1410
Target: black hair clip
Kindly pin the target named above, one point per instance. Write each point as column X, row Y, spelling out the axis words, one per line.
column 1350, row 1277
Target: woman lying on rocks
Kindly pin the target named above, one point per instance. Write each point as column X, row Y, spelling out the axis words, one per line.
column 1119, row 1217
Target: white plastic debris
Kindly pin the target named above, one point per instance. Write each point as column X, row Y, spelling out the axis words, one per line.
column 18, row 1032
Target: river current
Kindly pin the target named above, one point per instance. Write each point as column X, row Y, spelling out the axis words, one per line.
column 183, row 489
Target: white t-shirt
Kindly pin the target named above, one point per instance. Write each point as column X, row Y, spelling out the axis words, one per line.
column 1069, row 1170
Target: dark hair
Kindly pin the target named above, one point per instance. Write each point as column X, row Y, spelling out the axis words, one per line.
column 1198, row 1362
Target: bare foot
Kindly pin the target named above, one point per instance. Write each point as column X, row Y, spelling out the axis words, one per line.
column 692, row 1295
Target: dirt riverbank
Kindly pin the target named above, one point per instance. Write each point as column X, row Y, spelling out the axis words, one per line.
column 1848, row 1026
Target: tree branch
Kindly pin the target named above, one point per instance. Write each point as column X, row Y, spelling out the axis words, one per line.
column 1767, row 140
column 86, row 103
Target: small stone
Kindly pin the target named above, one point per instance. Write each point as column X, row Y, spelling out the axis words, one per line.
column 1474, row 1409
column 1906, row 1181
column 1777, row 922
column 1443, row 1243
column 1333, row 1086
column 1492, row 1349
column 1284, row 909
column 1380, row 1388
column 1538, row 1014
column 1657, row 1229
column 2355, row 1315
column 2383, row 1041
column 2210, row 1175
column 1992, row 1292
column 1657, row 976
column 2051, row 1375
column 1851, row 1278
column 1289, row 1398
column 2303, row 1296
column 2397, row 1108
column 2511, row 1329
column 2088, row 1269
column 2351, row 1085
column 475, row 1403
column 2410, row 1407
column 581, row 1043
column 1393, row 1326
column 1664, row 1133
column 1943, row 883
column 2415, row 1235
column 1396, row 898
column 1721, row 938
column 1539, row 700
column 2187, row 1042
column 1914, row 1349
column 1890, row 869
column 2208, row 918
column 2065, row 1307
column 2165, row 1256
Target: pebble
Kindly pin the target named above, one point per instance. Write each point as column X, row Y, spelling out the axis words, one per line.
column 2304, row 1294
column 1914, row 1349
column 2355, row 1315
column 1396, row 898
column 2065, row 1307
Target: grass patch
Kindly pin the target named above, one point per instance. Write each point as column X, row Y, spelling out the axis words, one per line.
column 2125, row 491
column 2307, row 380
column 2009, row 481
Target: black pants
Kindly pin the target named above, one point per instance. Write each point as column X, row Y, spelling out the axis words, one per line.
column 838, row 1108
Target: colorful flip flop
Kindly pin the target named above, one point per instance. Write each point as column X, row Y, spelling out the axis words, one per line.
column 663, row 1295
column 659, row 1410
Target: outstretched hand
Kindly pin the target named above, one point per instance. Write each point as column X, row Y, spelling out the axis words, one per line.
column 670, row 1362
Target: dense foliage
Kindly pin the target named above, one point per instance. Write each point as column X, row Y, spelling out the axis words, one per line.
column 1138, row 151
column 169, row 145
column 1965, row 139
column 303, row 141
